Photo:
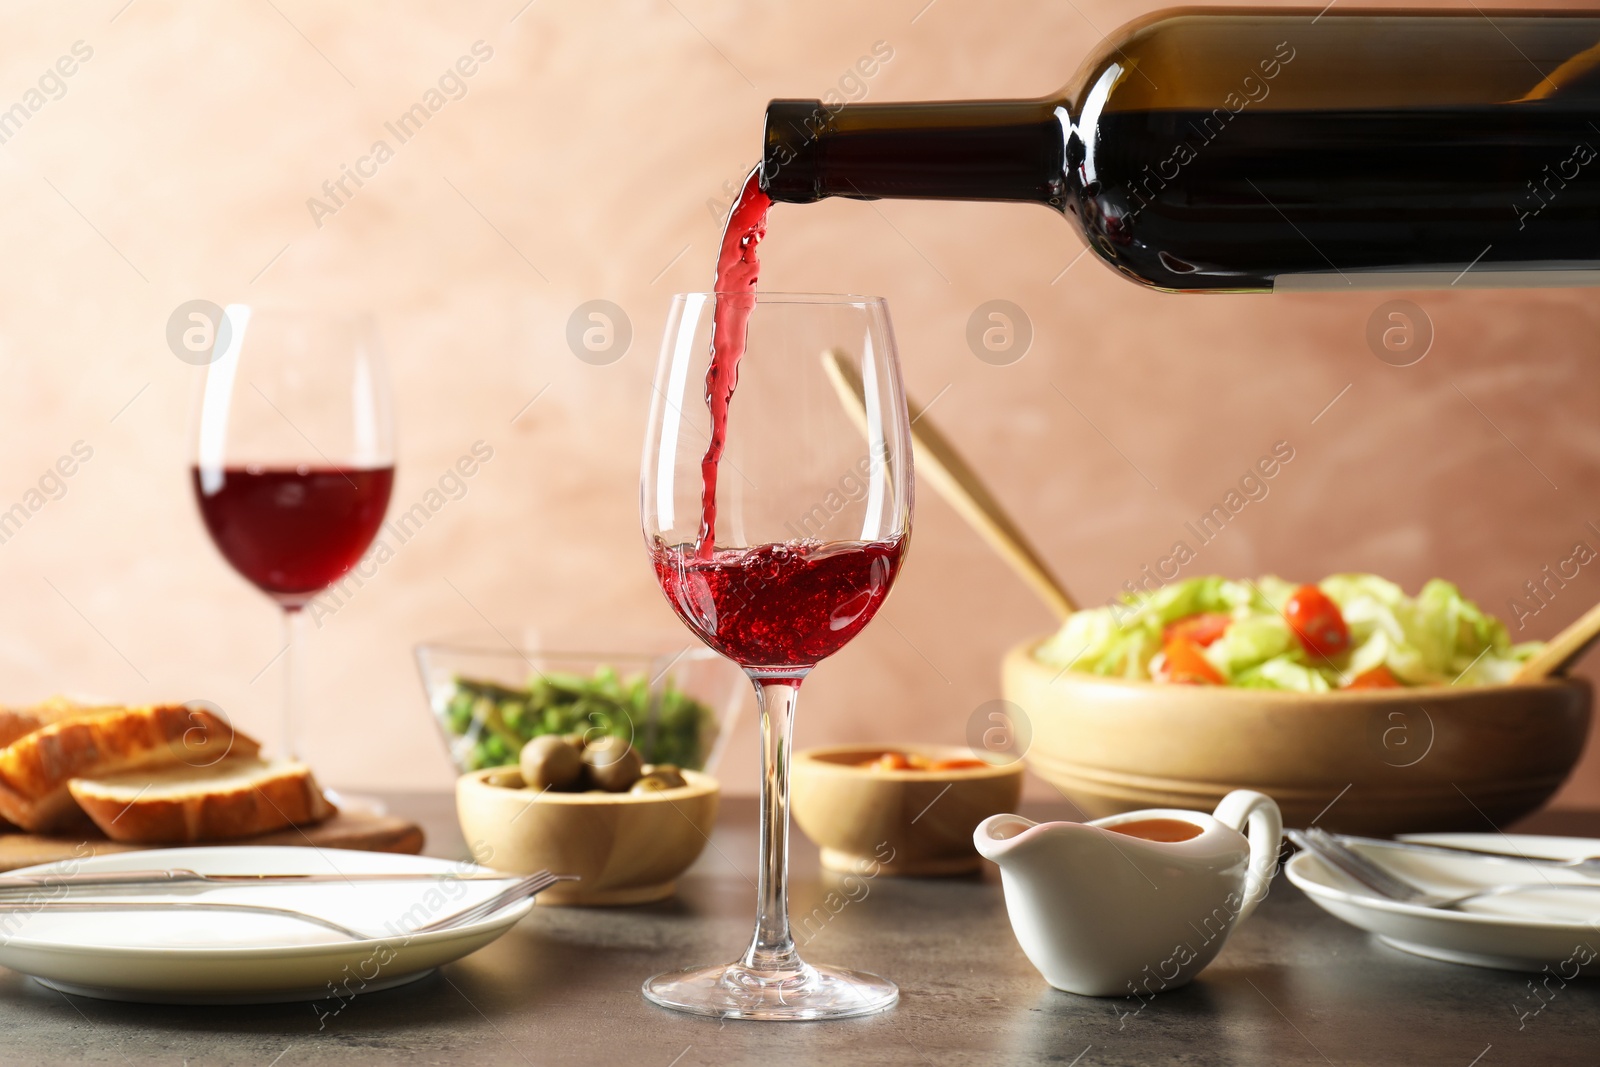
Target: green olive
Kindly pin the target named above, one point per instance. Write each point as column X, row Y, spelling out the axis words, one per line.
column 550, row 763
column 667, row 774
column 613, row 764
column 657, row 782
column 506, row 778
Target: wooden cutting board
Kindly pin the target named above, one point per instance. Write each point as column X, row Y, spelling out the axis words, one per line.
column 357, row 830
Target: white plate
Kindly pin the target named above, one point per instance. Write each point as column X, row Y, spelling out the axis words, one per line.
column 1521, row 932
column 217, row 957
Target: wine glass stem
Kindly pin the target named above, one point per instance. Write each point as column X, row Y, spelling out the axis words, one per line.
column 292, row 649
column 772, row 948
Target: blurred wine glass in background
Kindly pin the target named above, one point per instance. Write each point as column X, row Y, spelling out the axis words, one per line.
column 293, row 459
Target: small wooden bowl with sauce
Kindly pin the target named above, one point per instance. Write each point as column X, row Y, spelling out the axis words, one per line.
column 872, row 820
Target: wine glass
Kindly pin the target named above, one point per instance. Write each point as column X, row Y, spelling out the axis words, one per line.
column 294, row 458
column 776, row 557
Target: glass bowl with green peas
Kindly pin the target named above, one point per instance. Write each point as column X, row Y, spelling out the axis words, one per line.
column 675, row 708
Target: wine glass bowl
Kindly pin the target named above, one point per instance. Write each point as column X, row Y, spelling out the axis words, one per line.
column 776, row 554
column 293, row 460
column 812, row 511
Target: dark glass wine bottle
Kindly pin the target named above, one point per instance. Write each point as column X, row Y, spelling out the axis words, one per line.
column 1249, row 151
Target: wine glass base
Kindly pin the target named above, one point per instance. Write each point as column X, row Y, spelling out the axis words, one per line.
column 805, row 994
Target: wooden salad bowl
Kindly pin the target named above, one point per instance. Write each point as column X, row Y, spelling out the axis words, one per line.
column 1372, row 761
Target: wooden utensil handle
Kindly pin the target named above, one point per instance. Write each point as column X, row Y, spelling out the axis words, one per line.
column 937, row 460
column 1562, row 650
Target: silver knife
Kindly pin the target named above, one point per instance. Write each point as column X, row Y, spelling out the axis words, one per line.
column 184, row 876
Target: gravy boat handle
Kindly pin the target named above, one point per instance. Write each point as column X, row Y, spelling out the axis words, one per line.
column 1246, row 808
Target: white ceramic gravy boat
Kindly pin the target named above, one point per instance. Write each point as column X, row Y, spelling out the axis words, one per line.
column 1107, row 914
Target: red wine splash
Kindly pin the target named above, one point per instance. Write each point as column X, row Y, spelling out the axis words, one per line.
column 780, row 606
column 738, row 270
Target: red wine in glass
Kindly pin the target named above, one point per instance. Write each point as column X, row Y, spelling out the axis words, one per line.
column 781, row 606
column 293, row 531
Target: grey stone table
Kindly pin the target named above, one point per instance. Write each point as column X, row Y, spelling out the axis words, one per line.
column 1294, row 986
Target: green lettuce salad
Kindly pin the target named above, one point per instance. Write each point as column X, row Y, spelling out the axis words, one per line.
column 1347, row 631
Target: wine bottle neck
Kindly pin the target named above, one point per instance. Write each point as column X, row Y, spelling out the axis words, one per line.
column 977, row 150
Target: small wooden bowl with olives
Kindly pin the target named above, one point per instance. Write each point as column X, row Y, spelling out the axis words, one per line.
column 625, row 828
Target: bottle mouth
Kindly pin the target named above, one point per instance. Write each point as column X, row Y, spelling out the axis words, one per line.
column 789, row 156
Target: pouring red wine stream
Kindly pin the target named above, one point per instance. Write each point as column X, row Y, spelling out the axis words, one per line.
column 738, row 271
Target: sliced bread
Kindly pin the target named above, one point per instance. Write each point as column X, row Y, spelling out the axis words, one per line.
column 17, row 723
column 35, row 770
column 237, row 797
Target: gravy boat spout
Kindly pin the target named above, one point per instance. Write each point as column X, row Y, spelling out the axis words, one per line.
column 996, row 836
column 1136, row 903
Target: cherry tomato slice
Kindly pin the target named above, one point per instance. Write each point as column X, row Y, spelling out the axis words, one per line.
column 1203, row 628
column 1379, row 677
column 956, row 764
column 1317, row 621
column 1185, row 665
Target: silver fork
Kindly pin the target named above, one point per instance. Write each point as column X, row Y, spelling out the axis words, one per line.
column 1588, row 866
column 1386, row 884
column 532, row 885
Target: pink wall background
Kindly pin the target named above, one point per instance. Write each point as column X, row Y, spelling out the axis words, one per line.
column 578, row 165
